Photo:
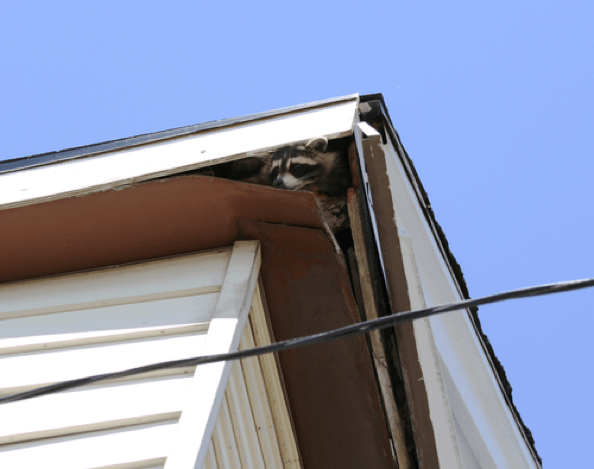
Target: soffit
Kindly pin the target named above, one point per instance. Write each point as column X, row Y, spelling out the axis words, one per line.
column 150, row 220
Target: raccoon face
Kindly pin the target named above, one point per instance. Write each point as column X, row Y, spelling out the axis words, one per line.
column 306, row 167
column 294, row 172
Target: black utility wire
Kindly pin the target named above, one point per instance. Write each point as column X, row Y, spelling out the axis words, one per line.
column 343, row 332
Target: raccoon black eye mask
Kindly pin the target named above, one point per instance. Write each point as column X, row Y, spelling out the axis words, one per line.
column 310, row 167
column 296, row 175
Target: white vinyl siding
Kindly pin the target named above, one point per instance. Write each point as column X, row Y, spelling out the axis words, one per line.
column 113, row 319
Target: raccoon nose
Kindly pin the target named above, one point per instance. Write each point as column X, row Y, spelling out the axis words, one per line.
column 279, row 184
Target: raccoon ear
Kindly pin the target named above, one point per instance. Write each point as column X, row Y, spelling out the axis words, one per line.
column 318, row 144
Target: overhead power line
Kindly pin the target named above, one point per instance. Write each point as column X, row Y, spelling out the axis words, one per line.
column 341, row 333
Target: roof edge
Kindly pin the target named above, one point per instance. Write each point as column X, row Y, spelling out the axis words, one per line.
column 42, row 159
column 455, row 269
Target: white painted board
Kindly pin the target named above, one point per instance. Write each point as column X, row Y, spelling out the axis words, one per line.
column 168, row 278
column 199, row 416
column 94, row 408
column 36, row 369
column 113, row 169
column 148, row 443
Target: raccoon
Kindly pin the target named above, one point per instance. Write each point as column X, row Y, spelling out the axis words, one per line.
column 310, row 168
column 254, row 169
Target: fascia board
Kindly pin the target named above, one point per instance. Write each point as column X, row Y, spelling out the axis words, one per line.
column 161, row 158
column 30, row 161
column 451, row 340
column 415, row 183
column 199, row 415
column 382, row 210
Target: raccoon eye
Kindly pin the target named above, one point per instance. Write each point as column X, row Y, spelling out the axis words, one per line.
column 274, row 173
column 300, row 170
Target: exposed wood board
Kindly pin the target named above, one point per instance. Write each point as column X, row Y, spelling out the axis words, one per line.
column 272, row 376
column 331, row 389
column 366, row 187
column 403, row 439
column 382, row 213
column 168, row 278
column 162, row 158
column 93, row 409
column 454, row 335
column 394, row 417
column 200, row 414
column 129, row 447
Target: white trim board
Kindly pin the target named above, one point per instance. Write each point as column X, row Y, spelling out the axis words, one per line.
column 127, row 166
column 200, row 413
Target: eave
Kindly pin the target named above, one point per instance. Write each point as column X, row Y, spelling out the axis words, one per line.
column 129, row 200
column 331, row 388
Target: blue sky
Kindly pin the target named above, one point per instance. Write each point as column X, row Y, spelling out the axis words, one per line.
column 493, row 102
